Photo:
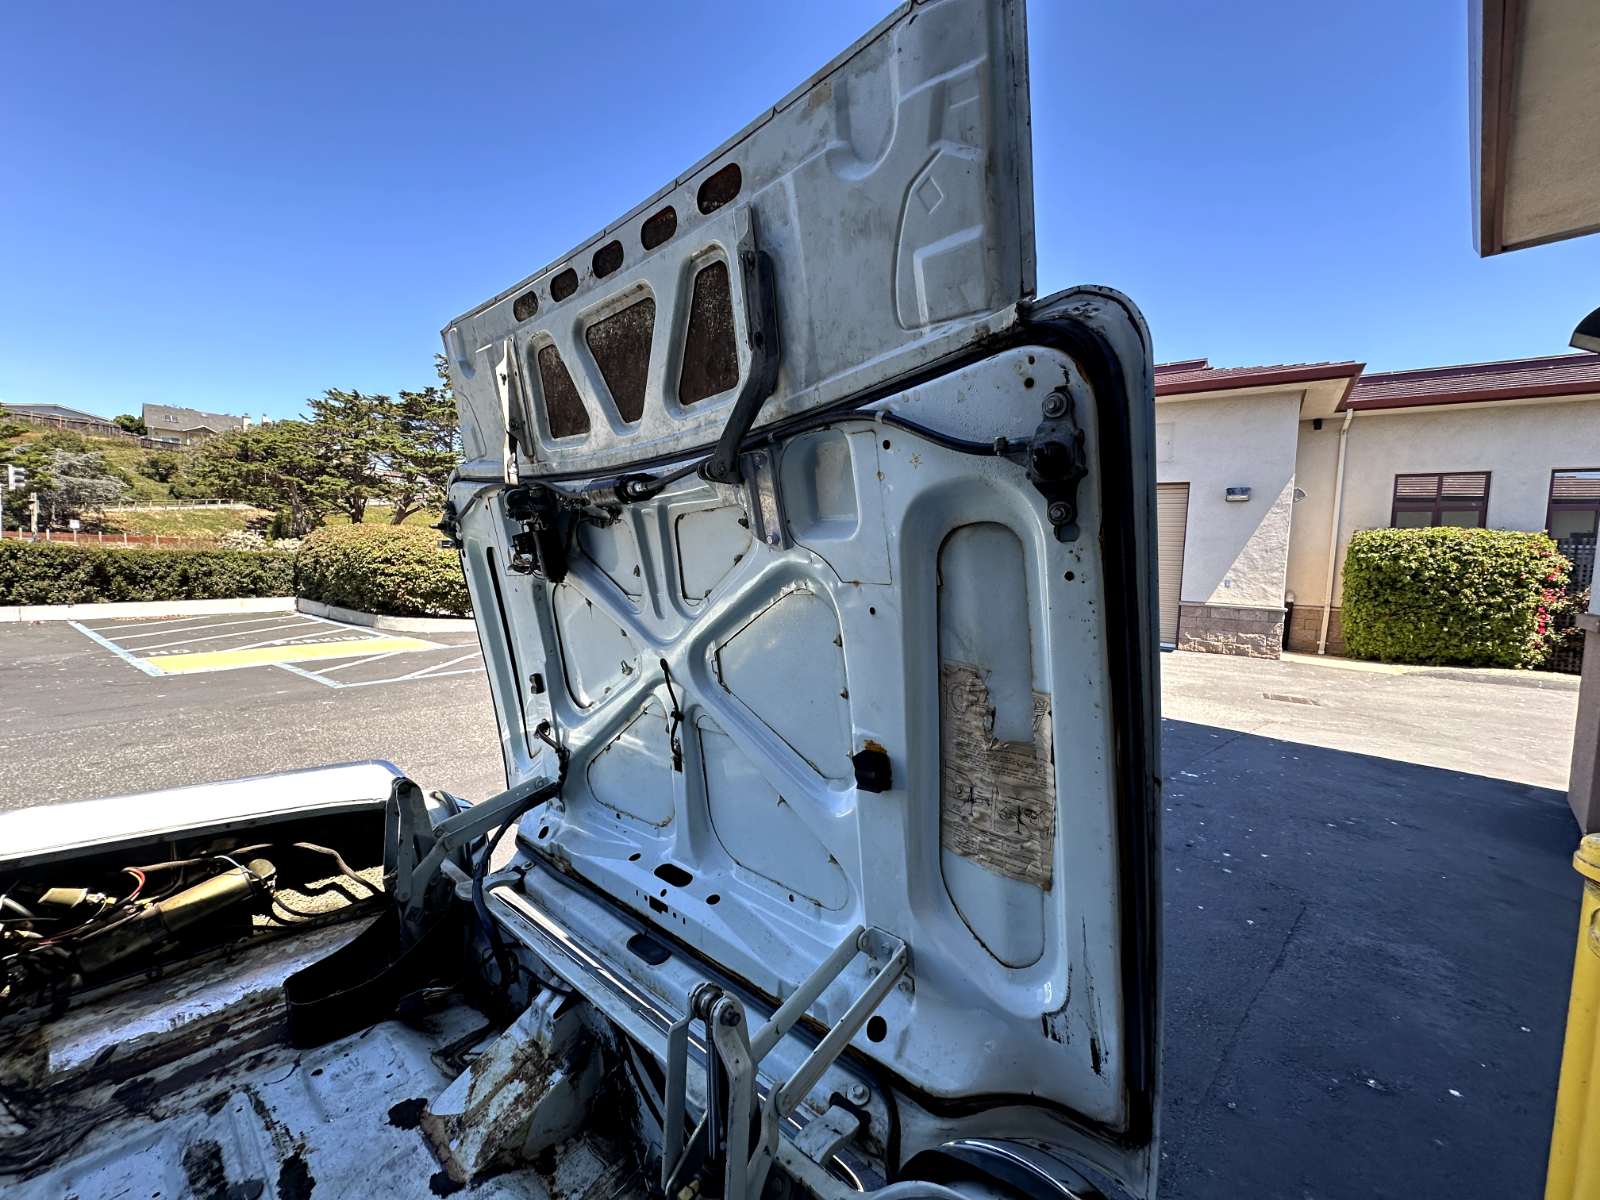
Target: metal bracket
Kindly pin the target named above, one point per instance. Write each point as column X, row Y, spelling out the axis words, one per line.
column 765, row 504
column 513, row 405
column 450, row 527
column 424, row 846
column 1057, row 464
column 724, row 1132
column 761, row 309
column 760, row 496
column 538, row 547
column 820, row 1140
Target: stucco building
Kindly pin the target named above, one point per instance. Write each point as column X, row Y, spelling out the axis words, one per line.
column 1265, row 472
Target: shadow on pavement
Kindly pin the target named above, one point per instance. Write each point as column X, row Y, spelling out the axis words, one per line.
column 1367, row 965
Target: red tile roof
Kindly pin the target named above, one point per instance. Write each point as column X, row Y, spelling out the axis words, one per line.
column 1196, row 375
column 1558, row 375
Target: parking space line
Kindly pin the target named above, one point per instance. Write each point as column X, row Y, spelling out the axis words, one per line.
column 256, row 656
column 303, row 639
column 115, row 649
column 434, row 672
column 359, row 662
column 311, row 675
column 217, row 625
column 215, row 636
column 440, row 668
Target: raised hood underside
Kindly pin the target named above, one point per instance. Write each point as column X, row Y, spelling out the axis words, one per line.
column 895, row 670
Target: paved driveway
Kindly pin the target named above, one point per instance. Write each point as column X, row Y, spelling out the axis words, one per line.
column 1367, row 958
column 1505, row 724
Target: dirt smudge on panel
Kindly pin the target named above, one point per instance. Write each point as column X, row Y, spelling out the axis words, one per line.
column 295, row 1181
column 408, row 1113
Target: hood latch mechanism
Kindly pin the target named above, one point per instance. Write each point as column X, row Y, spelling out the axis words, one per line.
column 1057, row 464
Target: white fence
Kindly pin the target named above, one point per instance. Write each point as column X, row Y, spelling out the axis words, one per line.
column 145, row 505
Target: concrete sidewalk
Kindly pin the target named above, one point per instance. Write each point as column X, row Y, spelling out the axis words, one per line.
column 1514, row 725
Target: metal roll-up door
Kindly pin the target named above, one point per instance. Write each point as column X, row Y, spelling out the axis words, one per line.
column 1172, row 519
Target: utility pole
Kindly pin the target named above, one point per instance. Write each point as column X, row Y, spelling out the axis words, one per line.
column 34, row 515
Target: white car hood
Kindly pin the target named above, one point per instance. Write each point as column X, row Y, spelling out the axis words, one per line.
column 876, row 681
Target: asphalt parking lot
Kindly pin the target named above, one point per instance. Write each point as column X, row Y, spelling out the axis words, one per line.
column 109, row 707
column 1370, row 908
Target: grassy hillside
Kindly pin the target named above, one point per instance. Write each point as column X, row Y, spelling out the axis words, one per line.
column 205, row 523
column 380, row 516
column 139, row 467
column 124, row 455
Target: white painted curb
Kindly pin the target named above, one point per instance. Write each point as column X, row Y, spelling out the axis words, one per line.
column 145, row 608
column 350, row 616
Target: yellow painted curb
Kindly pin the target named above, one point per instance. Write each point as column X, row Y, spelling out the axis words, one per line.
column 222, row 660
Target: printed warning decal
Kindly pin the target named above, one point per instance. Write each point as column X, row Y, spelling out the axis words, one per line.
column 997, row 803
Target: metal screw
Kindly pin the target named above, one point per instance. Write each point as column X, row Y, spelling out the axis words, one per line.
column 1055, row 405
column 730, row 1016
column 1060, row 513
column 859, row 1094
column 772, row 539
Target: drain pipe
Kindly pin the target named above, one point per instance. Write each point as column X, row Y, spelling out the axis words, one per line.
column 1333, row 530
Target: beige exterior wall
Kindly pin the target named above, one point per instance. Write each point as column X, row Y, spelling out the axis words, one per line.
column 1235, row 554
column 1519, row 443
column 1316, row 459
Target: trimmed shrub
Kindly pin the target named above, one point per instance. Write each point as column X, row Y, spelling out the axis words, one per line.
column 396, row 569
column 1446, row 596
column 60, row 573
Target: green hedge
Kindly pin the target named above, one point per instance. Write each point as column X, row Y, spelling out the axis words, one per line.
column 1470, row 597
column 59, row 573
column 397, row 569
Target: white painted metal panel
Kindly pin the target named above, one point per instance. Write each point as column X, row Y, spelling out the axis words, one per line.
column 893, row 191
column 796, row 662
column 818, row 630
column 47, row 831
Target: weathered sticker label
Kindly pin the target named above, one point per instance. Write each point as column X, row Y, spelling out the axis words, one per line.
column 997, row 803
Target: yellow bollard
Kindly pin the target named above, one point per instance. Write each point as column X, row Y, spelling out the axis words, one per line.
column 1575, row 1140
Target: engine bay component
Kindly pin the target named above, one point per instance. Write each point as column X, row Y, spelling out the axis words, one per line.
column 538, row 548
column 117, row 919
column 160, row 922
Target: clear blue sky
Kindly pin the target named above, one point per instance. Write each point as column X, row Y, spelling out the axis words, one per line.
column 234, row 206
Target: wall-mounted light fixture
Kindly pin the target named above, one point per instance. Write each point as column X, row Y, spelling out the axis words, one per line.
column 1238, row 495
column 1587, row 335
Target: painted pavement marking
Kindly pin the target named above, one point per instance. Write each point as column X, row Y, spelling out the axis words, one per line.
column 309, row 641
column 266, row 656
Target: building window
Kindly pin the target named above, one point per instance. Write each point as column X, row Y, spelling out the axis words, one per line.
column 1574, row 505
column 1422, row 501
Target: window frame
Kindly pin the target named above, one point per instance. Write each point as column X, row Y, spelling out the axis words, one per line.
column 1439, row 502
column 1551, row 504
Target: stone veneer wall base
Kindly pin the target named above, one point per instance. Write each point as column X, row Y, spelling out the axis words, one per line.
column 1306, row 627
column 1224, row 629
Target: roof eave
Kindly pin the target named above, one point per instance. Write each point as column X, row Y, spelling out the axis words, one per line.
column 1492, row 30
column 1342, row 375
column 1583, row 389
